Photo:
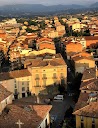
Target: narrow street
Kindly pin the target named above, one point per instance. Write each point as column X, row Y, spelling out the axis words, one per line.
column 58, row 110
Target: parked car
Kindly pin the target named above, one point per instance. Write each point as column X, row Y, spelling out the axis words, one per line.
column 59, row 97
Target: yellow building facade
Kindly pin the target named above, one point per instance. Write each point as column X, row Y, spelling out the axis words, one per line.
column 47, row 74
column 86, row 122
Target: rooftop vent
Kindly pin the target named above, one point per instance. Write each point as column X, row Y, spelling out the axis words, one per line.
column 28, row 108
column 92, row 97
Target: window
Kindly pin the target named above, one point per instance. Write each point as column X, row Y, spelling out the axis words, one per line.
column 44, row 76
column 14, row 81
column 27, row 88
column 44, row 82
column 37, row 76
column 23, row 88
column 37, row 82
column 54, row 76
column 27, row 82
column 22, row 83
column 15, row 91
column 81, row 118
column 15, row 85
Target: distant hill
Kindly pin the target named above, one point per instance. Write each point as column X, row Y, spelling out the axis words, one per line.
column 37, row 8
column 95, row 5
column 42, row 10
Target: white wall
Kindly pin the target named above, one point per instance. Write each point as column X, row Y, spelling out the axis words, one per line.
column 42, row 125
column 5, row 102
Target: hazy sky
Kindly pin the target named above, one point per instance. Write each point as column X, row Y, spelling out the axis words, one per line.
column 47, row 2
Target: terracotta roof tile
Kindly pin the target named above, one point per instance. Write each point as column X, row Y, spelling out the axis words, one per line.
column 90, row 110
column 89, row 74
column 4, row 93
column 14, row 74
column 91, row 85
column 31, row 116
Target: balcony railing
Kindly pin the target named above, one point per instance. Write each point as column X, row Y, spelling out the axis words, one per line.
column 37, row 78
column 44, row 78
column 54, row 77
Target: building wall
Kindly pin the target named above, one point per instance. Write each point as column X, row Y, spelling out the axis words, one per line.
column 81, row 65
column 17, row 84
column 43, row 51
column 60, row 28
column 5, row 102
column 53, row 34
column 85, row 62
column 78, row 26
column 42, row 125
column 87, row 121
column 49, row 71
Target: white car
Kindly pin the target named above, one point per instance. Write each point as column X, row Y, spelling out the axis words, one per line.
column 59, row 97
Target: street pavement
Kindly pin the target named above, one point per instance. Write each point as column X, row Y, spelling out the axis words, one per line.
column 58, row 110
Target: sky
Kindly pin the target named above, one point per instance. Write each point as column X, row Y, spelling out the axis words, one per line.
column 47, row 2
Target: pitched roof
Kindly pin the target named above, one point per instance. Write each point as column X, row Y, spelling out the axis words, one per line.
column 90, row 110
column 91, row 37
column 91, row 85
column 89, row 74
column 4, row 93
column 14, row 74
column 45, row 60
column 31, row 116
column 77, row 58
column 82, row 101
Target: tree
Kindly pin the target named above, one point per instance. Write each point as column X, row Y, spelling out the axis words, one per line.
column 86, row 33
column 42, row 24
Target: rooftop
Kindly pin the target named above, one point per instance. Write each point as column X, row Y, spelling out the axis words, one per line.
column 91, row 85
column 4, row 93
column 91, row 110
column 30, row 116
column 89, row 74
column 42, row 62
column 14, row 74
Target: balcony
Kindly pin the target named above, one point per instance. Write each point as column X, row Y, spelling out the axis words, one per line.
column 54, row 77
column 44, row 78
column 37, row 78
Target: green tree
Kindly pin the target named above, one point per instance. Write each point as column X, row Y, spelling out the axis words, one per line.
column 42, row 24
column 86, row 33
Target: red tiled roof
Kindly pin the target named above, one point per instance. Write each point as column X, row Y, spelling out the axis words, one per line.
column 31, row 116
column 90, row 110
column 14, row 74
column 89, row 74
column 4, row 93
